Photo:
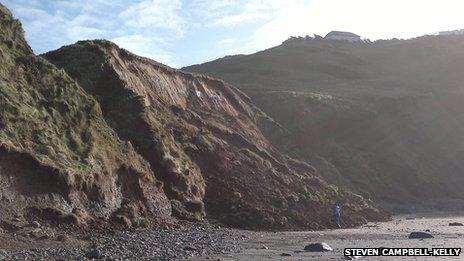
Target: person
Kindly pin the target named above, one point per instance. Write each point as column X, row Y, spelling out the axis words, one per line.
column 336, row 215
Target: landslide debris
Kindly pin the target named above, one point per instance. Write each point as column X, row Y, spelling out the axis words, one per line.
column 201, row 138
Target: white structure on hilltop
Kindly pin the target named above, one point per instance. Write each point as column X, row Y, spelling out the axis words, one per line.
column 455, row 32
column 343, row 36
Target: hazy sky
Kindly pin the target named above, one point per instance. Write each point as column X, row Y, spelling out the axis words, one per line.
column 184, row 32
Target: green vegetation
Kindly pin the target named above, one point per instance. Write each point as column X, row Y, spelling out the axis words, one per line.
column 45, row 115
column 383, row 68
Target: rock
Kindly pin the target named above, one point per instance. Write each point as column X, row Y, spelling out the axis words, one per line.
column 418, row 235
column 455, row 224
column 318, row 247
column 38, row 234
column 264, row 247
column 10, row 227
column 190, row 248
column 3, row 254
column 123, row 220
column 63, row 238
column 35, row 224
column 94, row 254
column 285, row 254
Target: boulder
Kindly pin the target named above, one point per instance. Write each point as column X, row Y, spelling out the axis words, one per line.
column 419, row 235
column 318, row 247
column 456, row 224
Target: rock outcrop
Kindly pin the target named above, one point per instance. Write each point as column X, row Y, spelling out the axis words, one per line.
column 201, row 138
column 59, row 159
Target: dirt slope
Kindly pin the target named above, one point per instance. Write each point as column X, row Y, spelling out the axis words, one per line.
column 200, row 136
column 384, row 119
column 58, row 157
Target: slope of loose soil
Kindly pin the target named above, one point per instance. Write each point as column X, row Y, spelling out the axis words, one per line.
column 200, row 136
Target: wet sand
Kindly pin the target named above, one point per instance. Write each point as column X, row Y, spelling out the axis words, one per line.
column 270, row 245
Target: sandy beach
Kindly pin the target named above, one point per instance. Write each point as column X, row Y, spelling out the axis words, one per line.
column 271, row 246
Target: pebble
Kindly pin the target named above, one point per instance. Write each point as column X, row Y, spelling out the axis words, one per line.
column 189, row 248
column 63, row 238
column 415, row 235
column 94, row 254
column 148, row 244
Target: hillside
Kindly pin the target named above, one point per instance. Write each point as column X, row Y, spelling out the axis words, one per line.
column 384, row 118
column 201, row 138
column 388, row 68
column 59, row 160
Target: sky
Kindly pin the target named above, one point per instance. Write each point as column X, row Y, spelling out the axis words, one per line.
column 185, row 32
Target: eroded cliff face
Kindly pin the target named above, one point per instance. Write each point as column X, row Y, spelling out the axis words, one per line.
column 59, row 159
column 201, row 138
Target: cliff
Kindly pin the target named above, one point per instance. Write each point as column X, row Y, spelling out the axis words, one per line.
column 59, row 159
column 201, row 138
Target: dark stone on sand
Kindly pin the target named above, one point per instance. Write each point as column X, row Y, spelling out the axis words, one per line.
column 62, row 238
column 285, row 254
column 94, row 254
column 3, row 254
column 415, row 235
column 455, row 224
column 190, row 248
column 318, row 247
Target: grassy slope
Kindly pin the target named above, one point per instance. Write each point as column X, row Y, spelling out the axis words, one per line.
column 47, row 117
column 387, row 68
column 386, row 120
